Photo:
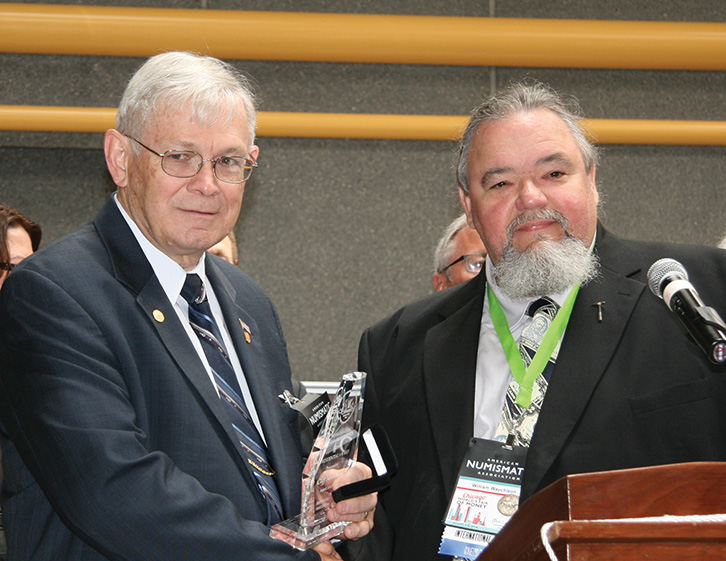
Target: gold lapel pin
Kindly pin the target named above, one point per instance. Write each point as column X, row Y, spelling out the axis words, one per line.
column 599, row 309
column 158, row 316
column 246, row 329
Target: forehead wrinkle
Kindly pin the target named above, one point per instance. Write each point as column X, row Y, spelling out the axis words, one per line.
column 556, row 157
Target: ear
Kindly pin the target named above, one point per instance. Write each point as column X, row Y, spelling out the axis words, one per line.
column 593, row 186
column 255, row 152
column 466, row 205
column 116, row 147
column 439, row 282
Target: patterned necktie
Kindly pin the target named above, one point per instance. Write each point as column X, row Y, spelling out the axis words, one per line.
column 203, row 324
column 515, row 419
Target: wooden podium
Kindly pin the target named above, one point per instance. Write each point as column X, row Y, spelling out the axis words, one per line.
column 584, row 509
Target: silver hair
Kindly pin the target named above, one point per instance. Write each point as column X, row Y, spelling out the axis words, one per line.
column 213, row 89
column 524, row 97
column 445, row 248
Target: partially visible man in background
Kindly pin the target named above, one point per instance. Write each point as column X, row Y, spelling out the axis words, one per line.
column 19, row 238
column 459, row 255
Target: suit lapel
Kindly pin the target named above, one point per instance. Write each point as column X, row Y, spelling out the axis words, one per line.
column 132, row 269
column 274, row 415
column 171, row 333
column 449, row 364
column 586, row 350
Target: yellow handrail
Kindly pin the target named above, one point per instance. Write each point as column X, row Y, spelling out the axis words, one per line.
column 141, row 32
column 371, row 126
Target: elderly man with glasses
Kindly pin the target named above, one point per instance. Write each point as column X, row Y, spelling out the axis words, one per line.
column 140, row 379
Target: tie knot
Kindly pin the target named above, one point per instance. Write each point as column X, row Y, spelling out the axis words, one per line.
column 193, row 290
column 542, row 304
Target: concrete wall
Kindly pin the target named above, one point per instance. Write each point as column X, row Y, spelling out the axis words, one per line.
column 341, row 232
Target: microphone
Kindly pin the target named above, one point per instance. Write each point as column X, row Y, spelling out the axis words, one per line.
column 668, row 280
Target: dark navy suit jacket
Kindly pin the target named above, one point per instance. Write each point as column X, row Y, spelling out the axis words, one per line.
column 628, row 391
column 115, row 444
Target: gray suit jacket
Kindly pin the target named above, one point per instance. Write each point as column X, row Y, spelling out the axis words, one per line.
column 629, row 391
column 115, row 443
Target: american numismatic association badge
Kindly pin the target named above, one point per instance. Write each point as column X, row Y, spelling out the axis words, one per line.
column 485, row 497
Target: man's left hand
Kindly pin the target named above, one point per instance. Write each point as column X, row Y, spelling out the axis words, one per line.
column 358, row 510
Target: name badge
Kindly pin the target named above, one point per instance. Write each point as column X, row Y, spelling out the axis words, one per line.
column 485, row 498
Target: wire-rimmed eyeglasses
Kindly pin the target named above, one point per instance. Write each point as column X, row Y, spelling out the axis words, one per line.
column 187, row 163
column 473, row 262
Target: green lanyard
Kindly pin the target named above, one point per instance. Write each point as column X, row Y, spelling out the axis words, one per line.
column 526, row 376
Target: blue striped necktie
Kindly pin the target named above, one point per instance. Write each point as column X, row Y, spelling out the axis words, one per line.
column 203, row 324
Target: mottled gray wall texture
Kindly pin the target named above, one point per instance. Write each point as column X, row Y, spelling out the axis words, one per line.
column 341, row 232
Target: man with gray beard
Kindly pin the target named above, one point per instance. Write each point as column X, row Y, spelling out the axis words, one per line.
column 619, row 386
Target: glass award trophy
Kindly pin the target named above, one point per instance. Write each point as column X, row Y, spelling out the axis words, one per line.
column 335, row 448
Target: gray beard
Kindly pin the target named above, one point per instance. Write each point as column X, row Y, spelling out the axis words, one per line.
column 545, row 268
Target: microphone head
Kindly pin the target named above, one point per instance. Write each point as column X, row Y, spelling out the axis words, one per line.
column 665, row 269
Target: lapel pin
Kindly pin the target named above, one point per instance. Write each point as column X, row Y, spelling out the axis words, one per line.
column 246, row 329
column 158, row 316
column 599, row 309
